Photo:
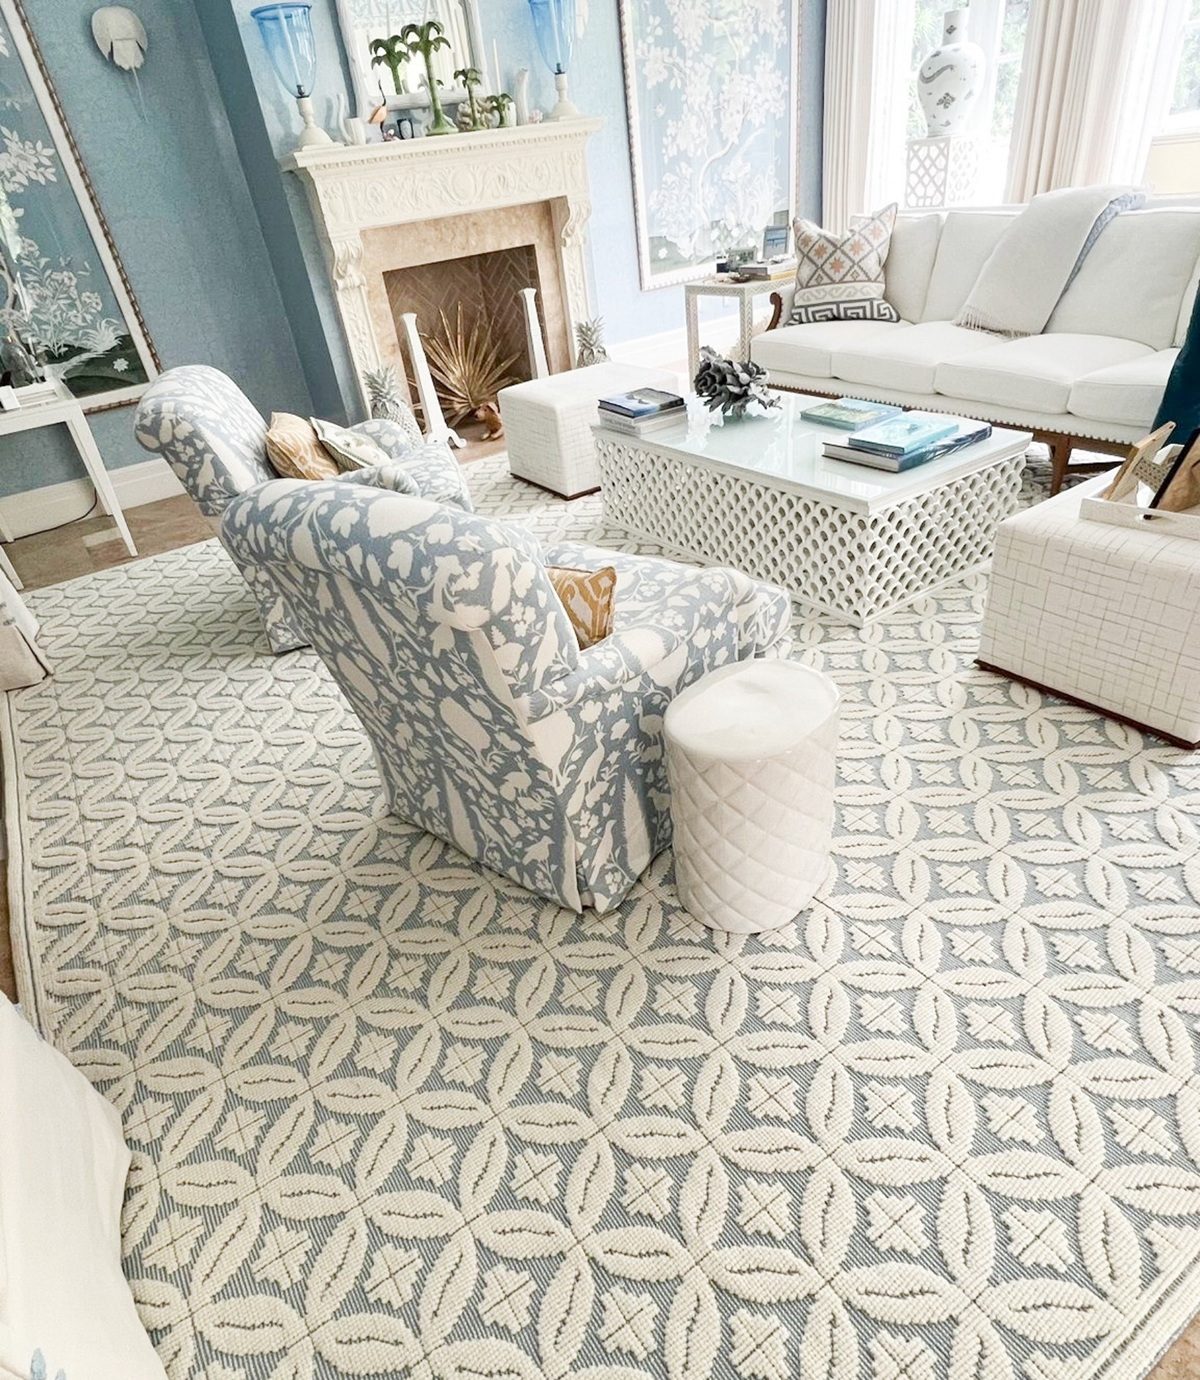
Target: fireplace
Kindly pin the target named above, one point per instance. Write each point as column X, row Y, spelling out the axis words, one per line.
column 418, row 225
column 478, row 262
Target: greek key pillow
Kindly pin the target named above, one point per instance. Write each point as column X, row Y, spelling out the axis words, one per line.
column 347, row 448
column 839, row 274
column 587, row 596
column 294, row 450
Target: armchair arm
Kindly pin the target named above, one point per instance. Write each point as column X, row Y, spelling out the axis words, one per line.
column 389, row 474
column 621, row 657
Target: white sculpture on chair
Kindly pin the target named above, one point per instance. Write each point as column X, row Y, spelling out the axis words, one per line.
column 436, row 428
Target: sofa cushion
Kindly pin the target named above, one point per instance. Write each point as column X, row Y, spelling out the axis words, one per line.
column 1132, row 283
column 967, row 238
column 910, row 262
column 1127, row 394
column 907, row 358
column 809, row 349
column 1035, row 373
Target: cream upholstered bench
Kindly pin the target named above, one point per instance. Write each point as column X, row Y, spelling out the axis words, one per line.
column 548, row 423
column 751, row 761
column 1104, row 616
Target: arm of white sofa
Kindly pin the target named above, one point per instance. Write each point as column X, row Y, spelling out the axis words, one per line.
column 781, row 305
column 620, row 658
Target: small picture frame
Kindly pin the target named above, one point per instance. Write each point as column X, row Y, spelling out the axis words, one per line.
column 775, row 241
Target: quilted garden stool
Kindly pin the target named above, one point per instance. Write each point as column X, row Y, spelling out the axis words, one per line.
column 751, row 760
column 548, row 423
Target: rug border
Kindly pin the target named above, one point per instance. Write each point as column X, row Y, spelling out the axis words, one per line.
column 16, row 871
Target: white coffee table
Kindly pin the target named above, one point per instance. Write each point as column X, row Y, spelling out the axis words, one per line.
column 851, row 541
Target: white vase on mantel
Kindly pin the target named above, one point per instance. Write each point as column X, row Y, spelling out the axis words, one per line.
column 950, row 79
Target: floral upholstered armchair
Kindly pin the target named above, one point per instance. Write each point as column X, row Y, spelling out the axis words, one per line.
column 212, row 436
column 491, row 728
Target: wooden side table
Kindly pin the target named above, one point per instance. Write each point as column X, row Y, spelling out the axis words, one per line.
column 67, row 409
column 745, row 294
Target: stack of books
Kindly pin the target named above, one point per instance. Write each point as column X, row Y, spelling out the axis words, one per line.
column 641, row 412
column 767, row 272
column 897, row 442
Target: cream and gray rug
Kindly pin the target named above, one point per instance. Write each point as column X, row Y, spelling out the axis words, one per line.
column 391, row 1116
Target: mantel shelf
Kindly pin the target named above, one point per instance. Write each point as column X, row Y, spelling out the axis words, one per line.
column 342, row 158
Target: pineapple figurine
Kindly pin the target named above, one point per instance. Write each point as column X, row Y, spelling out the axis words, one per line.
column 590, row 337
column 383, row 394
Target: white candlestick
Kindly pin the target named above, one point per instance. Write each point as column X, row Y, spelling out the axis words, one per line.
column 496, row 66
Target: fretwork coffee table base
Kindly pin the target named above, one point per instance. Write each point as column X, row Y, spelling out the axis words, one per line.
column 853, row 565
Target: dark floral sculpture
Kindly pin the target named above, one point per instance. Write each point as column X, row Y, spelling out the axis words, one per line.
column 731, row 387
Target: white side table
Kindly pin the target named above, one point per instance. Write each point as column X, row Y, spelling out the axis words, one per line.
column 751, row 761
column 68, row 410
column 744, row 294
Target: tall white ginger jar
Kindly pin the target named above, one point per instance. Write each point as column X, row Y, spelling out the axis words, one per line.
column 950, row 78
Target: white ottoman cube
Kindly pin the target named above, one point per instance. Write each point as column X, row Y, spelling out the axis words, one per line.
column 751, row 761
column 548, row 423
column 1104, row 616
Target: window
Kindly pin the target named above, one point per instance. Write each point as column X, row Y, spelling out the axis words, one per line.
column 998, row 26
column 1185, row 97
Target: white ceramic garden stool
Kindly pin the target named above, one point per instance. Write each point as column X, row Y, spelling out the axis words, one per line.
column 548, row 422
column 751, row 755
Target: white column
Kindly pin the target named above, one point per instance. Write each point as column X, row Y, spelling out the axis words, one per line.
column 435, row 420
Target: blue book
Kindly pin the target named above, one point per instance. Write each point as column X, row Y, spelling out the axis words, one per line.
column 908, row 432
column 969, row 434
column 850, row 414
column 642, row 402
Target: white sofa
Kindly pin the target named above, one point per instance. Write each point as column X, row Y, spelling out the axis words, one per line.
column 1093, row 379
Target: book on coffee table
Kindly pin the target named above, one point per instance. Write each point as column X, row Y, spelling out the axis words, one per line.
column 850, row 414
column 642, row 402
column 969, row 433
column 904, row 434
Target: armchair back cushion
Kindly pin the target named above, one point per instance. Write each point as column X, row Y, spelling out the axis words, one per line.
column 438, row 625
column 208, row 431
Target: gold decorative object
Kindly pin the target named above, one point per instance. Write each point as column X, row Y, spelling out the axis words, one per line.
column 1141, row 466
column 467, row 366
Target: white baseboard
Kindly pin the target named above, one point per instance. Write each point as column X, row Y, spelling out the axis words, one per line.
column 33, row 511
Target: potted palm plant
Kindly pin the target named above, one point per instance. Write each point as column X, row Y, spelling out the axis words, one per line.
column 423, row 41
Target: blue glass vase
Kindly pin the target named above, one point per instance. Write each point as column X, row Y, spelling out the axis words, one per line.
column 287, row 35
column 554, row 25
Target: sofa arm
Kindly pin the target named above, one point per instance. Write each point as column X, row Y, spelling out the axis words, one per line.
column 781, row 306
column 620, row 658
column 389, row 474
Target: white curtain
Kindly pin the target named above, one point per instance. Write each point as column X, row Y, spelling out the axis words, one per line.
column 1094, row 87
column 868, row 53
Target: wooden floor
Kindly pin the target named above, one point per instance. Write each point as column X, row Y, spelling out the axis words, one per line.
column 91, row 545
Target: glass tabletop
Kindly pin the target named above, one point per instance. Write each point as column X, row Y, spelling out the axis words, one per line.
column 782, row 448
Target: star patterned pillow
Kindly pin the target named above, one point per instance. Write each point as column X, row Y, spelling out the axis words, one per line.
column 839, row 274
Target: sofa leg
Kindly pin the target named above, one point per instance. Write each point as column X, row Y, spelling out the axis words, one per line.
column 1060, row 459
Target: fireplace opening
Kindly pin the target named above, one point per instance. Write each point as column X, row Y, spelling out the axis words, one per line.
column 472, row 323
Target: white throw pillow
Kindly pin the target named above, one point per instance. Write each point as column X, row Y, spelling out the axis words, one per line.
column 63, row 1164
column 967, row 239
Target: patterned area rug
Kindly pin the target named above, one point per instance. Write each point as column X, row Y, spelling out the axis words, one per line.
column 392, row 1116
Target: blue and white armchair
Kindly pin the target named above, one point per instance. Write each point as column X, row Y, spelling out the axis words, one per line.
column 212, row 436
column 490, row 726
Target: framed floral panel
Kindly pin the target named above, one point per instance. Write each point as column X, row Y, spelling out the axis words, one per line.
column 710, row 90
column 67, row 308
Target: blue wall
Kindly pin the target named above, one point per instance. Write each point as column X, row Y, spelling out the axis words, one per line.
column 175, row 196
column 220, row 246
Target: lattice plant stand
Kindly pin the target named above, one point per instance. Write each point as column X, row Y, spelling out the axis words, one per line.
column 855, row 557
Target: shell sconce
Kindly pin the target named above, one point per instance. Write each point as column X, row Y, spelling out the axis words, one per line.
column 121, row 37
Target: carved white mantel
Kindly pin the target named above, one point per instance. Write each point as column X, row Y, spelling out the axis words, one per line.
column 354, row 189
